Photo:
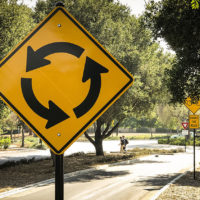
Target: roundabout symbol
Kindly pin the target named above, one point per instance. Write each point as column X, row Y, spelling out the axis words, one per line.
column 54, row 114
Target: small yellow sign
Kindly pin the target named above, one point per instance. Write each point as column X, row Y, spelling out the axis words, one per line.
column 60, row 80
column 194, row 121
column 193, row 106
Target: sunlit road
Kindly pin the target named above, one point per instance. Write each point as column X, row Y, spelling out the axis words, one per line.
column 109, row 146
column 136, row 180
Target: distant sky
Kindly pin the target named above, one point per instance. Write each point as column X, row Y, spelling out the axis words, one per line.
column 137, row 6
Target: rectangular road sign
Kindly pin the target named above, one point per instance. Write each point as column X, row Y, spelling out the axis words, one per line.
column 194, row 121
column 184, row 132
column 60, row 80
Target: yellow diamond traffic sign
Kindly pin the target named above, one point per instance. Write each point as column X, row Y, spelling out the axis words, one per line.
column 193, row 106
column 59, row 80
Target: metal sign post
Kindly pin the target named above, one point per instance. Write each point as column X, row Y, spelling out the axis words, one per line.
column 185, row 143
column 59, row 178
column 194, row 152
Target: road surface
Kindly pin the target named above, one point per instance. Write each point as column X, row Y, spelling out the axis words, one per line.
column 109, row 146
column 136, row 180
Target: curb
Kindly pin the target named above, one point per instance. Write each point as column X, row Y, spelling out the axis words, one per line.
column 66, row 176
column 170, row 183
column 167, row 186
column 43, row 183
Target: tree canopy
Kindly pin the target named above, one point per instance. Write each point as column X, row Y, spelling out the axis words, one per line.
column 16, row 22
column 178, row 24
column 123, row 35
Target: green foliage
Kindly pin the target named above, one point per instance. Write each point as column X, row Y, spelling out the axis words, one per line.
column 179, row 141
column 16, row 22
column 127, row 40
column 33, row 143
column 5, row 142
column 178, row 24
column 195, row 4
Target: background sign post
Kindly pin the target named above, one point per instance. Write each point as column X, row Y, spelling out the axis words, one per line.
column 194, row 153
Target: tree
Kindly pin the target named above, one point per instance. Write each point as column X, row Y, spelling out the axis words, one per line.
column 4, row 112
column 16, row 21
column 11, row 123
column 195, row 4
column 122, row 35
column 171, row 116
column 178, row 24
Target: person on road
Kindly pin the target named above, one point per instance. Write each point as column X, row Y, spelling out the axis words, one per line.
column 121, row 145
column 125, row 142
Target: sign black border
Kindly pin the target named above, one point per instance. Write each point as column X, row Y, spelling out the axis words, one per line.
column 98, row 113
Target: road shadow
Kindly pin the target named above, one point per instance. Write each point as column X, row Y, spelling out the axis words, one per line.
column 135, row 161
column 156, row 182
column 160, row 181
column 95, row 175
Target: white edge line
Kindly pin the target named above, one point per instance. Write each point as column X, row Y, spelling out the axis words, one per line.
column 171, row 182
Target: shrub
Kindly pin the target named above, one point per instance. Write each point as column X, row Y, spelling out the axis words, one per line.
column 5, row 142
column 163, row 141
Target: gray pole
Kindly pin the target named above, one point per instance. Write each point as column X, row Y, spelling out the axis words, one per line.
column 194, row 151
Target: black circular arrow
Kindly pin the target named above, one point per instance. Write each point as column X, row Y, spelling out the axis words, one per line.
column 35, row 59
column 53, row 114
column 92, row 71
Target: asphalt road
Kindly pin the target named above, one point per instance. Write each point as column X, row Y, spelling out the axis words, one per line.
column 109, row 146
column 136, row 180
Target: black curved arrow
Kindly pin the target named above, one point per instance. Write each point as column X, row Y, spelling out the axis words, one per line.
column 35, row 59
column 54, row 114
column 92, row 71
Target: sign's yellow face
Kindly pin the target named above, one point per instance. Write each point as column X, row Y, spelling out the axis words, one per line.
column 59, row 80
column 192, row 106
column 194, row 121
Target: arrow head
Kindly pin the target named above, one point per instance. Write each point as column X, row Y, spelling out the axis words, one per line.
column 55, row 115
column 35, row 60
column 92, row 69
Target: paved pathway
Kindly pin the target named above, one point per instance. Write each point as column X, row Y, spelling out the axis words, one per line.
column 134, row 180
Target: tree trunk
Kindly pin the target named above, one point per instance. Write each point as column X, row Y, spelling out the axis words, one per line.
column 53, row 157
column 22, row 137
column 11, row 135
column 99, row 147
column 117, row 132
column 98, row 139
column 100, row 136
column 30, row 132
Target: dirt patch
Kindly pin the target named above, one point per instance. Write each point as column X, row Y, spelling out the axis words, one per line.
column 24, row 173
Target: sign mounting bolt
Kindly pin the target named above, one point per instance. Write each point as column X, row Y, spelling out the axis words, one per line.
column 59, row 25
column 58, row 134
